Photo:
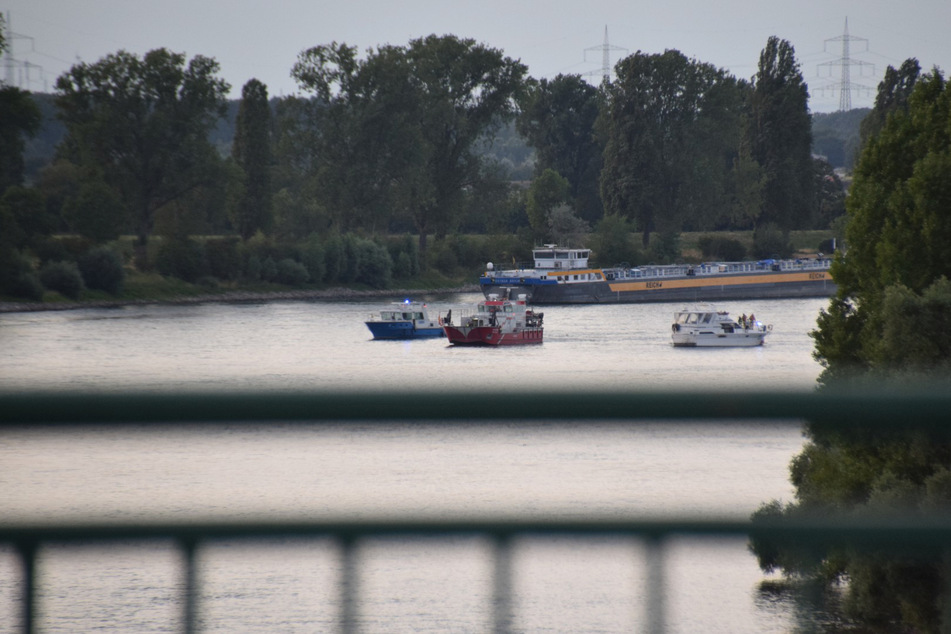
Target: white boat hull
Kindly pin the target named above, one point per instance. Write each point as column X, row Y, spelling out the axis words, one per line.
column 718, row 340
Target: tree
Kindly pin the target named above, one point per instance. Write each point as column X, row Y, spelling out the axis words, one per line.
column 893, row 93
column 548, row 190
column 613, row 241
column 781, row 137
column 667, row 156
column 830, row 195
column 96, row 212
column 25, row 217
column 142, row 124
column 888, row 322
column 558, row 119
column 19, row 117
column 397, row 130
column 251, row 150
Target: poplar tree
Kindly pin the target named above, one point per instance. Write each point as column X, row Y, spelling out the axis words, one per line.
column 781, row 137
column 251, row 150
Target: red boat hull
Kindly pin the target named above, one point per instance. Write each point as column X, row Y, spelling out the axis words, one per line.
column 491, row 336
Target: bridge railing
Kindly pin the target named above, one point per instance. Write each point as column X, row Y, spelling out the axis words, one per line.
column 882, row 408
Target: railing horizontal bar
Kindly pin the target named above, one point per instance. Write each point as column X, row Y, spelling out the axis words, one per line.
column 935, row 528
column 871, row 406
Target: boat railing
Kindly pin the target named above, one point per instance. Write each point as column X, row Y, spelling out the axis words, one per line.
column 124, row 413
column 718, row 268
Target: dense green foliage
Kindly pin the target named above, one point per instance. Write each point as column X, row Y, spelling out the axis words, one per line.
column 141, row 125
column 19, row 118
column 252, row 152
column 671, row 127
column 102, row 269
column 558, row 119
column 835, row 136
column 430, row 141
column 888, row 322
column 781, row 138
column 62, row 277
column 392, row 137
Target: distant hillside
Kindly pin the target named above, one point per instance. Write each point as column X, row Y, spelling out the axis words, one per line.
column 835, row 135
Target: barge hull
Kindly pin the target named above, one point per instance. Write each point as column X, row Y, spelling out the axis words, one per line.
column 763, row 286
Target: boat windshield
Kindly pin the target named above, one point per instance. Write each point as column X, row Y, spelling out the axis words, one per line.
column 694, row 318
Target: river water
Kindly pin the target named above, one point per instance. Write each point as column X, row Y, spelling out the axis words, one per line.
column 349, row 470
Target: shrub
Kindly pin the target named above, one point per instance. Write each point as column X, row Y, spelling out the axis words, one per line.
column 443, row 256
column 268, row 269
column 665, row 247
column 208, row 281
column 613, row 241
column 404, row 252
column 720, row 248
column 253, row 269
column 769, row 241
column 375, row 265
column 223, row 259
column 102, row 269
column 14, row 268
column 63, row 277
column 25, row 285
column 334, row 259
column 182, row 258
column 351, row 258
column 314, row 259
column 292, row 272
column 403, row 267
column 64, row 248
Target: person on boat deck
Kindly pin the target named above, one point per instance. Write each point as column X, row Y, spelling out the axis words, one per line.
column 743, row 320
column 448, row 320
column 752, row 320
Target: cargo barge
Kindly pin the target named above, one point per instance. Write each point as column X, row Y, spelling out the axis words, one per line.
column 561, row 275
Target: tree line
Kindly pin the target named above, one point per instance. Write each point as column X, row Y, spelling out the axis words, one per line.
column 396, row 142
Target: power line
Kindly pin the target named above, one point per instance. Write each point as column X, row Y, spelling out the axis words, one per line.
column 846, row 62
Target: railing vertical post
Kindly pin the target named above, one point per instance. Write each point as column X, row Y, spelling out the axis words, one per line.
column 190, row 600
column 656, row 591
column 502, row 584
column 348, row 585
column 27, row 553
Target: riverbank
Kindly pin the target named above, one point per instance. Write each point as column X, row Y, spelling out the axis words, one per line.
column 329, row 294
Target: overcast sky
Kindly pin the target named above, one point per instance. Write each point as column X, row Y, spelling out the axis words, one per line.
column 253, row 39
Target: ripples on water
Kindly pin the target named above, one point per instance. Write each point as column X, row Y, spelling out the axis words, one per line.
column 275, row 470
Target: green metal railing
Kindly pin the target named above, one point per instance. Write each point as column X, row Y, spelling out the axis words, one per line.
column 927, row 407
